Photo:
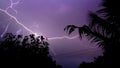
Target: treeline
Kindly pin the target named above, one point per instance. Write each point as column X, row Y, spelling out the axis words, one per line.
column 29, row 51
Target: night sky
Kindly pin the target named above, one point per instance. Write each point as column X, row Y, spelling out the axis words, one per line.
column 48, row 18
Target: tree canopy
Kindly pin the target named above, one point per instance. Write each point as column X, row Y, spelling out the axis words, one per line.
column 29, row 51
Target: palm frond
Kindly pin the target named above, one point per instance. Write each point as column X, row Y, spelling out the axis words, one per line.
column 92, row 35
column 101, row 25
column 86, row 30
column 96, row 20
column 83, row 30
column 70, row 28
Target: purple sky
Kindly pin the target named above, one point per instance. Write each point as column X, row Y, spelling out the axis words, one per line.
column 49, row 17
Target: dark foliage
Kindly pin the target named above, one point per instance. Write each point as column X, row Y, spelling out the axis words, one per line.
column 29, row 51
column 104, row 28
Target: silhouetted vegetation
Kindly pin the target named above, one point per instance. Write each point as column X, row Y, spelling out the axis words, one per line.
column 29, row 51
column 104, row 29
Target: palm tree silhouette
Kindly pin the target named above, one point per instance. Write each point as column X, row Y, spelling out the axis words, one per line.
column 104, row 28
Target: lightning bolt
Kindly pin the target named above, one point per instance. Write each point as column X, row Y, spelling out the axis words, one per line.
column 60, row 38
column 13, row 17
column 18, row 32
column 54, row 53
column 63, row 37
column 12, row 4
column 5, row 11
column 29, row 30
column 5, row 30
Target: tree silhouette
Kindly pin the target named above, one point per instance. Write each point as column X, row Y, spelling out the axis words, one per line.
column 104, row 28
column 28, row 51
